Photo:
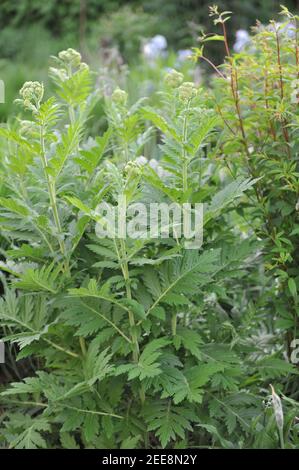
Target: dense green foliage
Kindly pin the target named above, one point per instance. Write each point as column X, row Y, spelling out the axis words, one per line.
column 260, row 112
column 143, row 342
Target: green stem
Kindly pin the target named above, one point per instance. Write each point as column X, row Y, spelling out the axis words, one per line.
column 28, row 403
column 126, row 275
column 60, row 348
column 82, row 345
column 281, row 439
column 125, row 272
column 173, row 324
column 109, row 321
column 72, row 114
column 100, row 413
column 54, row 345
column 184, row 153
column 52, row 194
column 284, row 123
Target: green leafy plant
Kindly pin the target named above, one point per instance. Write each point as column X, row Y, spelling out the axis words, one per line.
column 256, row 96
column 124, row 332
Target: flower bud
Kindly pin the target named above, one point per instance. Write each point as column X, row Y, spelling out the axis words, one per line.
column 187, row 91
column 32, row 93
column 83, row 66
column 132, row 168
column 119, row 96
column 174, row 79
column 70, row 57
column 277, row 407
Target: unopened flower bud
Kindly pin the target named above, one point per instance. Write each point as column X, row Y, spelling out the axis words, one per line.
column 132, row 168
column 119, row 96
column 32, row 93
column 174, row 79
column 187, row 91
column 70, row 57
column 83, row 66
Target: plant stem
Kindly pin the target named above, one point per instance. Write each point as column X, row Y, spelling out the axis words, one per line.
column 281, row 439
column 184, row 153
column 213, row 66
column 296, row 47
column 126, row 275
column 266, row 90
column 93, row 412
column 173, row 324
column 284, row 121
column 82, row 345
column 60, row 348
column 52, row 195
column 122, row 256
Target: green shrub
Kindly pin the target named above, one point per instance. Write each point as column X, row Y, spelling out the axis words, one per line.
column 258, row 103
column 124, row 334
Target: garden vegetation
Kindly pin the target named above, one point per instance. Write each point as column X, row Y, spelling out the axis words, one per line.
column 143, row 343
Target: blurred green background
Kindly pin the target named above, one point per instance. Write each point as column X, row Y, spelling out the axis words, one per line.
column 32, row 30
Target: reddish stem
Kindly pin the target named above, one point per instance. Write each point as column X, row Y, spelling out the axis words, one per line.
column 284, row 121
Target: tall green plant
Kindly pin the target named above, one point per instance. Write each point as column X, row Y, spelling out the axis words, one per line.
column 256, row 96
column 125, row 332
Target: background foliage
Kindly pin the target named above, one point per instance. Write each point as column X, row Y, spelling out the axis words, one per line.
column 85, row 24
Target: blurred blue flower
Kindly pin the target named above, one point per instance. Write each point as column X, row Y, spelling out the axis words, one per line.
column 183, row 55
column 155, row 48
column 242, row 39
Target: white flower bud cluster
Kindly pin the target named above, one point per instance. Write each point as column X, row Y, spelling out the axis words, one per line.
column 132, row 169
column 69, row 61
column 31, row 95
column 70, row 57
column 119, row 97
column 174, row 79
column 187, row 91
